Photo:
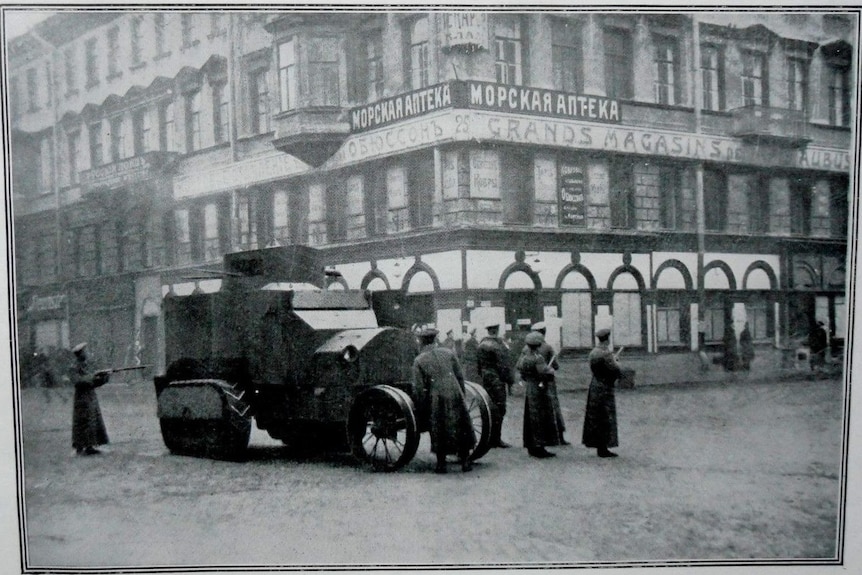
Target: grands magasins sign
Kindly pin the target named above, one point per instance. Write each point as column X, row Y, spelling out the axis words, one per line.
column 484, row 96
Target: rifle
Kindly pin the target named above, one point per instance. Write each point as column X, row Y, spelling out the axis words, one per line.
column 110, row 370
column 617, row 354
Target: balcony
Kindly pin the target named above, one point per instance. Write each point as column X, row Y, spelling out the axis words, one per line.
column 779, row 126
column 311, row 134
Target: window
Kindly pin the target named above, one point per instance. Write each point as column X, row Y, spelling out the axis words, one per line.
column 373, row 54
column 508, row 50
column 336, row 212
column 715, row 317
column 420, row 189
column 260, row 103
column 246, row 220
column 187, row 30
column 14, row 97
column 74, row 153
column 281, row 216
column 758, row 315
column 712, row 72
column 839, row 206
column 516, row 178
column 167, row 130
column 136, row 39
column 417, row 57
column 46, row 164
column 193, row 121
column 839, row 96
column 212, row 241
column 139, row 135
column 758, row 205
column 323, row 80
column 666, row 71
column 92, row 63
column 797, row 84
column 134, row 246
column 117, row 139
column 566, row 56
column 49, row 86
column 801, row 192
column 32, row 90
column 376, row 209
column 627, row 316
column 95, row 133
column 715, row 198
column 159, row 33
column 671, row 319
column 287, row 75
column 618, row 63
column 221, row 114
column 622, row 204
column 113, row 52
column 670, row 198
column 754, row 92
column 182, row 237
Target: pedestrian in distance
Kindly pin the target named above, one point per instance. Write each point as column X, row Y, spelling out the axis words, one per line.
column 452, row 343
column 600, row 419
column 492, row 362
column 818, row 343
column 746, row 348
column 540, row 422
column 471, row 345
column 547, row 352
column 730, row 359
column 439, row 386
column 88, row 428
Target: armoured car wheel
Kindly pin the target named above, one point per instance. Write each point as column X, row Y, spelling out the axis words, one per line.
column 479, row 407
column 382, row 428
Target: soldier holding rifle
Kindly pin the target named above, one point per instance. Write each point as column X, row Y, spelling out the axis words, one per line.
column 88, row 428
column 600, row 420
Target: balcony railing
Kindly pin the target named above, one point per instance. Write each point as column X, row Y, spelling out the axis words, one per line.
column 779, row 125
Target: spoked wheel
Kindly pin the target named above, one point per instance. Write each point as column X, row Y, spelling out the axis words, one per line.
column 382, row 428
column 479, row 407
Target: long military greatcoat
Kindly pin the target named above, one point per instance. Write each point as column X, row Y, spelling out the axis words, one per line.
column 492, row 361
column 600, row 419
column 540, row 422
column 547, row 352
column 439, row 385
column 88, row 428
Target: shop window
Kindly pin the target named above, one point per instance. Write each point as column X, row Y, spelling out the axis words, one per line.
column 376, row 209
column 715, row 317
column 509, row 50
column 136, row 38
column 167, row 128
column 336, row 212
column 797, row 84
column 221, row 114
column 114, row 52
column 95, row 135
column 117, row 139
column 618, row 63
column 670, row 198
column 627, row 319
column 715, row 198
column 801, row 192
column 622, row 200
column 759, row 314
column 51, row 334
column 417, row 53
column 576, row 309
column 91, row 59
column 193, row 121
column 287, row 75
column 323, row 77
column 420, row 189
column 712, row 73
column 839, row 96
column 754, row 79
column 516, row 187
column 758, row 204
column 666, row 70
column 566, row 56
column 260, row 102
column 672, row 319
column 182, row 237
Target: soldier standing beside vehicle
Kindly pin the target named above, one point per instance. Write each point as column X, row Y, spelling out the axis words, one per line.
column 439, row 385
column 88, row 428
column 540, row 422
column 547, row 352
column 471, row 346
column 600, row 419
column 492, row 362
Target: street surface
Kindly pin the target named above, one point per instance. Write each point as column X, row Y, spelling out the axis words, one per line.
column 716, row 472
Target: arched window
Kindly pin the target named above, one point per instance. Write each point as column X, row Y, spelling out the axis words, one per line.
column 627, row 311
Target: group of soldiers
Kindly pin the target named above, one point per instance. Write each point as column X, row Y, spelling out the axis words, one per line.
column 439, row 374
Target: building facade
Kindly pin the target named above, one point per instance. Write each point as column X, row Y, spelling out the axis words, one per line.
column 672, row 176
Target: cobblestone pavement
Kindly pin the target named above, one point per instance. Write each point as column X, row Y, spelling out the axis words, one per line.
column 716, row 472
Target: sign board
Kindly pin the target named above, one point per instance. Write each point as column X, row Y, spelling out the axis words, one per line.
column 47, row 303
column 464, row 32
column 572, row 195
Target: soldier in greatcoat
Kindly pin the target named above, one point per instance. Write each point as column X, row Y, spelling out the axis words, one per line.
column 88, row 428
column 540, row 422
column 492, row 361
column 600, row 419
column 471, row 346
column 547, row 352
column 439, row 386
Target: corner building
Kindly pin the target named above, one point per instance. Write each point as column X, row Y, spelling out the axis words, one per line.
column 670, row 176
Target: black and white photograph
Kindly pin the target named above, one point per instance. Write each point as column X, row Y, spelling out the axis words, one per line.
column 406, row 287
